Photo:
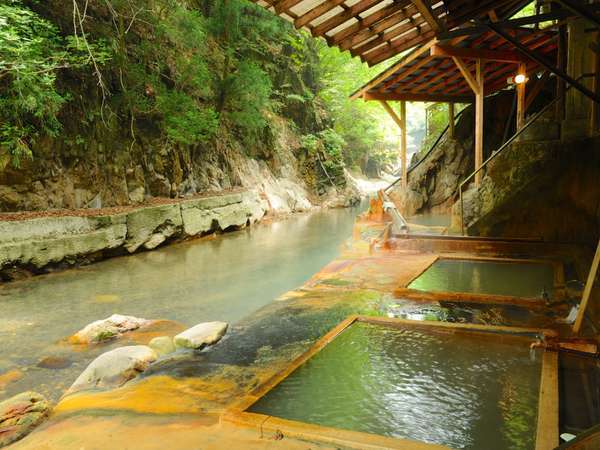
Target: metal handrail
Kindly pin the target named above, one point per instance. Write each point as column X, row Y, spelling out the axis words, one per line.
column 414, row 166
column 507, row 144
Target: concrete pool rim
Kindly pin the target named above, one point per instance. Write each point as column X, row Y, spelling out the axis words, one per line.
column 404, row 291
column 547, row 417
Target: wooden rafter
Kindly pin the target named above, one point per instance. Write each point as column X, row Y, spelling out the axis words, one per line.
column 428, row 15
column 317, row 11
column 339, row 19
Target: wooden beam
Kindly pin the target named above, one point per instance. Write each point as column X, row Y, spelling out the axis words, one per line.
column 339, row 19
column 521, row 99
column 283, row 5
column 596, row 89
column 479, row 94
column 403, row 144
column 317, row 11
column 368, row 96
column 392, row 113
column 465, row 52
column 587, row 291
column 451, row 119
column 579, row 8
column 466, row 73
column 542, row 62
column 548, row 401
column 387, row 73
column 428, row 15
column 397, row 46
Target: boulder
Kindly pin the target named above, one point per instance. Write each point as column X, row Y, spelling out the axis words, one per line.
column 162, row 345
column 201, row 335
column 109, row 328
column 114, row 368
column 21, row 414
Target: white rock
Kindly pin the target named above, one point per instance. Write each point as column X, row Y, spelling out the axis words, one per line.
column 207, row 333
column 108, row 328
column 114, row 368
column 162, row 345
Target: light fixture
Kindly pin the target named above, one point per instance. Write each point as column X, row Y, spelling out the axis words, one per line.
column 517, row 79
column 520, row 79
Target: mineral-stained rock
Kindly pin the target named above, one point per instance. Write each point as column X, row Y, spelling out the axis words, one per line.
column 162, row 345
column 201, row 335
column 54, row 362
column 8, row 377
column 21, row 414
column 109, row 328
column 114, row 368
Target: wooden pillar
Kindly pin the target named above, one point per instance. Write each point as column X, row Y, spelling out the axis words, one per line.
column 451, row 119
column 595, row 86
column 403, row 143
column 521, row 99
column 587, row 291
column 561, row 62
column 478, row 120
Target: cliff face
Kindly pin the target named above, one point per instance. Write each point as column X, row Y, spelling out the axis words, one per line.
column 545, row 189
column 131, row 142
column 432, row 186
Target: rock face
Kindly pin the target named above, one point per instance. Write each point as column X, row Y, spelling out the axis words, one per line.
column 432, row 185
column 201, row 335
column 38, row 244
column 114, row 368
column 545, row 190
column 21, row 414
column 162, row 345
column 109, row 328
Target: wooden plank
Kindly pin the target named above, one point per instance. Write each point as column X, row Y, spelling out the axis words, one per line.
column 587, row 291
column 365, row 23
column 595, row 89
column 547, row 423
column 339, row 19
column 403, row 143
column 465, row 52
column 394, row 96
column 479, row 95
column 451, row 119
column 428, row 15
column 317, row 11
column 521, row 99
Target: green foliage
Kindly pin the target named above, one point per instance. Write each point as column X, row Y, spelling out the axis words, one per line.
column 31, row 54
column 184, row 122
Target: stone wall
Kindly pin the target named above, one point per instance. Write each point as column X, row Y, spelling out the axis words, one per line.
column 40, row 244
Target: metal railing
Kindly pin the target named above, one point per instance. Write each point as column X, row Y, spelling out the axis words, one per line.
column 418, row 163
column 506, row 145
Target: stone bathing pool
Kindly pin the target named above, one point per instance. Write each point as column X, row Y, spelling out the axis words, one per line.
column 225, row 278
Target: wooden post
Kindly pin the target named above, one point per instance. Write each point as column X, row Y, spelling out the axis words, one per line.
column 403, row 143
column 561, row 62
column 451, row 119
column 587, row 291
column 521, row 99
column 595, row 86
column 478, row 120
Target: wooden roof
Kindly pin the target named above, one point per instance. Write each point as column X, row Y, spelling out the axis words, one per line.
column 430, row 74
column 376, row 30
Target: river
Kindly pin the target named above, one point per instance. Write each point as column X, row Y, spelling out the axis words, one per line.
column 222, row 278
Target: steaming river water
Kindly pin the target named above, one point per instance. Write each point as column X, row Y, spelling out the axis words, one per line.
column 226, row 278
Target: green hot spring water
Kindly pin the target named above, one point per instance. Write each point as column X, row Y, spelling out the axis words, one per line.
column 486, row 277
column 454, row 390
